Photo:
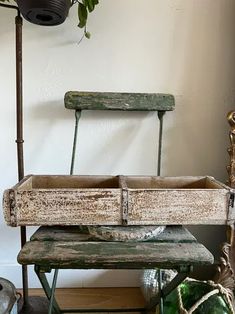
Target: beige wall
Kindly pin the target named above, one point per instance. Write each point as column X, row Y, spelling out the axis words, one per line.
column 183, row 47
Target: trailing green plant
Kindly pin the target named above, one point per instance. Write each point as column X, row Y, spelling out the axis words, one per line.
column 84, row 8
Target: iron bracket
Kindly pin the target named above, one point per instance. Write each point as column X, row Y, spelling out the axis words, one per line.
column 125, row 207
column 231, row 209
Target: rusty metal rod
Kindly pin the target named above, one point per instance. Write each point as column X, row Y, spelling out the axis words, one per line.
column 19, row 136
column 19, row 98
column 19, row 128
column 160, row 114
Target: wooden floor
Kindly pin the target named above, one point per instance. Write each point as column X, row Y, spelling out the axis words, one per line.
column 96, row 297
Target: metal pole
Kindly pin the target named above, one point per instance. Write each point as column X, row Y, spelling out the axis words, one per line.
column 160, row 117
column 77, row 118
column 19, row 127
column 19, row 97
column 19, row 136
column 32, row 305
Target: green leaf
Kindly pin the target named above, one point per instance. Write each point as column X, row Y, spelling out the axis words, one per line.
column 88, row 35
column 90, row 5
column 82, row 15
column 85, row 2
column 84, row 7
column 81, row 24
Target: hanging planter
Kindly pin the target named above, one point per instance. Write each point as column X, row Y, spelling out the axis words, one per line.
column 54, row 12
column 44, row 12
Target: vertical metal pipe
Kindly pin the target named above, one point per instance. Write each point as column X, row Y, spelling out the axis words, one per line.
column 77, row 118
column 19, row 97
column 19, row 136
column 160, row 117
column 159, row 159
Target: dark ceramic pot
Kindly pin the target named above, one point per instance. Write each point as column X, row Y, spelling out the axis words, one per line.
column 44, row 12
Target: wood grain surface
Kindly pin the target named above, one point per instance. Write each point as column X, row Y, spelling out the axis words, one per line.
column 120, row 200
column 118, row 101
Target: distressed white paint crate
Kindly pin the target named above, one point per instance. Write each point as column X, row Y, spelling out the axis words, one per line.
column 120, row 200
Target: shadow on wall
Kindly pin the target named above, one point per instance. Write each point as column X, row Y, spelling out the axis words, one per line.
column 212, row 237
column 108, row 142
column 44, row 141
column 197, row 137
column 201, row 65
column 49, row 112
column 116, row 143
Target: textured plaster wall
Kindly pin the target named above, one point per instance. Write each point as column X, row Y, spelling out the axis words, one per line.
column 183, row 47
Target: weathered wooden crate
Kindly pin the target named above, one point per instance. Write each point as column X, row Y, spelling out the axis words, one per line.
column 64, row 200
column 120, row 200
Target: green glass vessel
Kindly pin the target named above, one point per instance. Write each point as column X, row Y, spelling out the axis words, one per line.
column 191, row 292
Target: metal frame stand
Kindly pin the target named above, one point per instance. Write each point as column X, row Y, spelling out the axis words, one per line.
column 183, row 272
column 32, row 305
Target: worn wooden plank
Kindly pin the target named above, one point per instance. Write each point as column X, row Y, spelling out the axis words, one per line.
column 111, row 255
column 63, row 207
column 172, row 234
column 118, row 101
column 66, row 207
column 64, row 200
column 61, row 233
column 178, row 200
column 73, row 182
column 176, row 183
column 188, row 207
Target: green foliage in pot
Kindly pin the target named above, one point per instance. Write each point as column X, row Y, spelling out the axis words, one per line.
column 84, row 8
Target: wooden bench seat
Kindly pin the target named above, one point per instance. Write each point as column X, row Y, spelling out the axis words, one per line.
column 66, row 247
column 72, row 247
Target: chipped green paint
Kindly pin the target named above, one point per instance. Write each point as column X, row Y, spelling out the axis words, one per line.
column 71, row 247
column 110, row 255
column 119, row 101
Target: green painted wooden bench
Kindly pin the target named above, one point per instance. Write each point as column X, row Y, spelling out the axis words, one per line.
column 72, row 247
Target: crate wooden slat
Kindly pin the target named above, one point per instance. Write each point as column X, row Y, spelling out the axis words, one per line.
column 107, row 200
column 119, row 101
column 182, row 200
column 64, row 200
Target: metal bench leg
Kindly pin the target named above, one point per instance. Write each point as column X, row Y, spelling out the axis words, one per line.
column 49, row 291
column 52, row 298
column 160, row 291
column 182, row 274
